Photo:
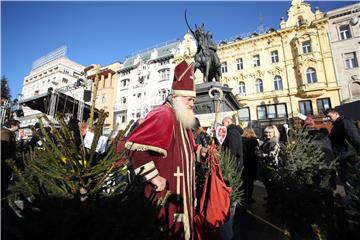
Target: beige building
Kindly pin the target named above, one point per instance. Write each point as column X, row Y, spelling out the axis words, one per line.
column 344, row 34
column 105, row 97
column 282, row 72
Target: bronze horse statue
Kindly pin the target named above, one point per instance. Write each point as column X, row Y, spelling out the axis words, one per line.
column 206, row 58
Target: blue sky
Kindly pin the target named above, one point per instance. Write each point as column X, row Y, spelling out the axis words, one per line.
column 105, row 32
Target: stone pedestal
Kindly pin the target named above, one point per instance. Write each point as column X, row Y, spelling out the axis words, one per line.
column 206, row 103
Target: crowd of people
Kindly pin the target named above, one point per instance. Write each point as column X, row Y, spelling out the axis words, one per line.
column 165, row 148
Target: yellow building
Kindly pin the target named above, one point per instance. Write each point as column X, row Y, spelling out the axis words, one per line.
column 282, row 72
column 105, row 97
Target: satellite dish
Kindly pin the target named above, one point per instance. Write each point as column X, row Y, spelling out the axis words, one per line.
column 354, row 21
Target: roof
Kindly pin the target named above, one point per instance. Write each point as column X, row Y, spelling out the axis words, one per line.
column 163, row 51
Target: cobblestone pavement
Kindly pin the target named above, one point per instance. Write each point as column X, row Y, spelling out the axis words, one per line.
column 249, row 227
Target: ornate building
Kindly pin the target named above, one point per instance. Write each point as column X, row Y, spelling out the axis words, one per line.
column 282, row 72
column 146, row 79
column 105, row 96
column 344, row 34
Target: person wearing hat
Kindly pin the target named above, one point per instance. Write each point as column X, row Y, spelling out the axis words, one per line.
column 163, row 152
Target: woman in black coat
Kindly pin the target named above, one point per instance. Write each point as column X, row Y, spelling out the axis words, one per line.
column 249, row 175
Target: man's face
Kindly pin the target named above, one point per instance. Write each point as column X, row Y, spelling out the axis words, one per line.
column 332, row 116
column 188, row 102
column 183, row 107
column 14, row 128
column 226, row 122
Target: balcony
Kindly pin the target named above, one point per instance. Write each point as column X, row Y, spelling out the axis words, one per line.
column 242, row 98
column 120, row 107
column 311, row 90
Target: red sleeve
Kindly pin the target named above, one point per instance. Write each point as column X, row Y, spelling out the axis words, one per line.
column 144, row 163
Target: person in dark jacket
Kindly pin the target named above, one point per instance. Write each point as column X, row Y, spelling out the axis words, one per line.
column 343, row 133
column 200, row 136
column 267, row 154
column 8, row 151
column 233, row 140
column 250, row 143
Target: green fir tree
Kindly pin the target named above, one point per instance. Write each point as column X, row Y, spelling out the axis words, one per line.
column 303, row 184
column 71, row 192
column 232, row 176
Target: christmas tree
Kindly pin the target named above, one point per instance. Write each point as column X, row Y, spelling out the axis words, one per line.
column 232, row 175
column 66, row 191
column 303, row 184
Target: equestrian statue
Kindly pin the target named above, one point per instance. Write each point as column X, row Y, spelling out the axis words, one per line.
column 206, row 58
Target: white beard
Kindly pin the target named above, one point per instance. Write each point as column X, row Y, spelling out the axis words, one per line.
column 184, row 115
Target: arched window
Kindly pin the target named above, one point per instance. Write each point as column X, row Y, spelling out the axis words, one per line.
column 311, row 75
column 242, row 89
column 278, row 83
column 259, row 86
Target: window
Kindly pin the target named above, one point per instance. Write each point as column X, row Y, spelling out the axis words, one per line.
column 123, row 118
column 261, row 112
column 281, row 111
column 123, row 101
column 350, row 60
column 66, row 71
column 323, row 104
column 256, row 60
column 345, row 32
column 224, row 67
column 125, row 73
column 163, row 93
column 272, row 111
column 164, row 62
column 311, row 75
column 64, row 80
column 164, row 74
column 138, row 95
column 103, row 99
column 306, row 46
column 239, row 64
column 125, row 82
column 301, row 21
column 244, row 114
column 242, row 89
column 274, row 57
column 306, row 107
column 259, row 86
column 278, row 83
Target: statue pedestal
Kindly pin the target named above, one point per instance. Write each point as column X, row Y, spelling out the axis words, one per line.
column 205, row 104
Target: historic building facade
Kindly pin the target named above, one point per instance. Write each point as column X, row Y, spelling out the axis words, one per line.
column 107, row 85
column 344, row 34
column 283, row 72
column 55, row 71
column 146, row 79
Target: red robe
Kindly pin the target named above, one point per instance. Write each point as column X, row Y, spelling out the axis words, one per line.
column 161, row 146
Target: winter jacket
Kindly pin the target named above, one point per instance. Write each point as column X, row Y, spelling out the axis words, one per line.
column 250, row 159
column 344, row 130
column 233, row 142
